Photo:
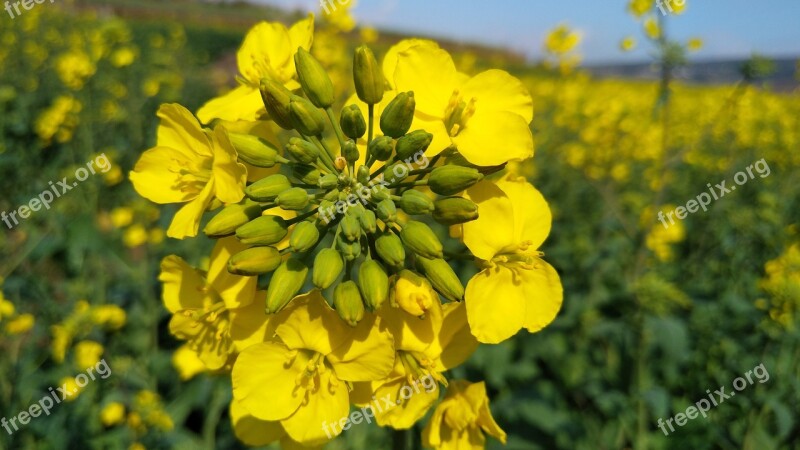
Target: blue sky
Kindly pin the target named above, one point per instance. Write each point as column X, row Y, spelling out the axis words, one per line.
column 729, row 28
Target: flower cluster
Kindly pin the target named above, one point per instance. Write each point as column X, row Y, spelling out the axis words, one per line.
column 330, row 284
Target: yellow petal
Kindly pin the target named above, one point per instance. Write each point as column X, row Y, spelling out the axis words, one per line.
column 264, row 377
column 498, row 91
column 493, row 231
column 366, row 355
column 252, row 431
column 240, row 103
column 308, row 322
column 532, row 217
column 494, row 138
column 266, row 51
column 154, row 180
column 408, row 403
column 187, row 220
column 455, row 337
column 390, row 59
column 180, row 131
column 434, row 125
column 495, row 302
column 229, row 175
column 237, row 291
column 182, row 284
column 430, row 73
column 543, row 293
column 249, row 325
column 301, row 33
column 202, row 337
column 411, row 333
column 327, row 405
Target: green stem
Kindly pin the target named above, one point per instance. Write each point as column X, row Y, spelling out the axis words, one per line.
column 336, row 127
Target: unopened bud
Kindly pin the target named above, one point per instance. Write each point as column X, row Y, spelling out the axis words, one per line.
column 368, row 76
column 352, row 122
column 254, row 261
column 293, row 199
column 304, row 236
column 398, row 115
column 264, row 230
column 286, row 282
column 349, row 250
column 442, row 277
column 367, row 220
column 374, row 283
column 328, row 181
column 450, row 180
column 350, row 151
column 303, row 151
column 348, row 303
column 254, row 150
column 267, row 189
column 306, row 174
column 421, row 240
column 414, row 202
column 225, row 222
column 276, row 101
column 314, row 79
column 381, row 148
column 387, row 211
column 412, row 144
column 349, row 226
column 306, row 117
column 328, row 265
column 362, row 175
column 413, row 293
column 454, row 210
column 390, row 249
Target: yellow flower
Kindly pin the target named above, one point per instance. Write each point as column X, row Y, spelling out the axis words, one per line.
column 298, row 379
column 190, row 165
column 462, row 420
column 214, row 312
column 71, row 387
column 561, row 40
column 267, row 51
column 134, row 236
column 187, row 363
column 338, row 15
column 414, row 293
column 517, row 288
column 111, row 316
column 20, row 324
column 627, row 44
column 486, row 117
column 58, row 120
column 112, row 414
column 259, row 433
column 425, row 348
column 639, row 7
column 651, row 28
column 6, row 307
column 369, row 35
column 121, row 216
column 113, row 176
column 151, row 411
column 87, row 354
column 694, row 44
column 123, row 57
column 74, row 68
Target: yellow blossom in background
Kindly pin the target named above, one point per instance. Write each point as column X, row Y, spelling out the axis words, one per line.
column 87, row 354
column 188, row 165
column 110, row 316
column 561, row 40
column 782, row 284
column 114, row 176
column 59, row 120
column 72, row 388
column 651, row 28
column 517, row 289
column 74, row 68
column 112, row 414
column 151, row 411
column 639, row 7
column 369, row 35
column 338, row 15
column 694, row 44
column 135, row 236
column 660, row 240
column 462, row 420
column 187, row 363
column 20, row 324
column 267, row 51
column 627, row 44
column 122, row 216
column 123, row 57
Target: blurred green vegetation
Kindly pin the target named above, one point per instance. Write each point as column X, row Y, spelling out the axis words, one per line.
column 652, row 317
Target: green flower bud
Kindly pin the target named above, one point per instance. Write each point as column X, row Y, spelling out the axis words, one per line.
column 276, row 100
column 380, row 193
column 264, row 230
column 225, row 222
column 286, row 282
column 450, row 180
column 414, row 143
column 381, row 148
column 398, row 115
column 303, row 151
column 304, row 236
column 362, row 175
column 306, row 174
column 347, row 301
column 367, row 220
column 390, row 249
column 421, row 240
column 332, row 195
column 349, row 226
column 315, row 80
column 328, row 181
column 306, row 118
column 415, row 203
column 374, row 283
column 442, row 277
column 387, row 211
column 293, row 199
column 397, row 172
column 350, row 151
column 254, row 261
column 253, row 150
column 266, row 189
column 328, row 265
column 350, row 250
column 368, row 76
column 352, row 122
column 454, row 210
